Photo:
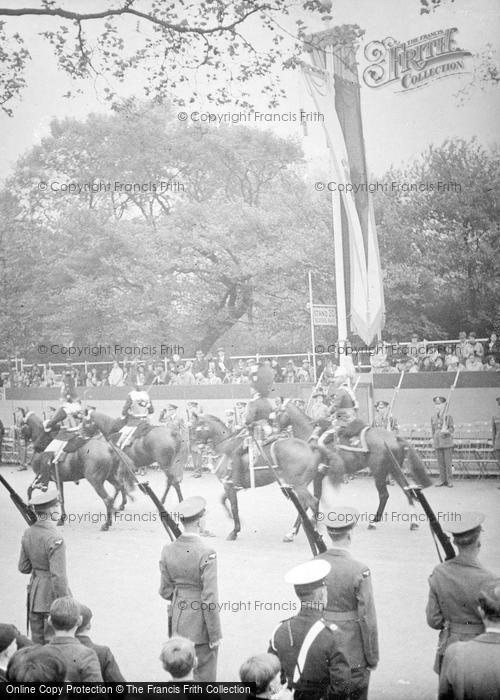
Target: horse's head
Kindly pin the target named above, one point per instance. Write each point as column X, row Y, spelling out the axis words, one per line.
column 33, row 426
column 96, row 419
column 209, row 428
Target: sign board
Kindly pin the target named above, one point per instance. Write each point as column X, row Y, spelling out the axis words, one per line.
column 324, row 315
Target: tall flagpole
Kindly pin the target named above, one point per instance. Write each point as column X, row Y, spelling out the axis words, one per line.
column 311, row 316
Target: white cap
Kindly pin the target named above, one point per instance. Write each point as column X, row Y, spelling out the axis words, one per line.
column 311, row 574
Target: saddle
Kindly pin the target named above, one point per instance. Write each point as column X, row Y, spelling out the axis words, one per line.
column 75, row 443
column 352, row 437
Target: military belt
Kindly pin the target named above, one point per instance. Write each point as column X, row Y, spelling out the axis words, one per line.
column 341, row 615
column 41, row 573
column 466, row 627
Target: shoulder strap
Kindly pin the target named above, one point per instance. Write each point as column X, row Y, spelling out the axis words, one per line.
column 304, row 649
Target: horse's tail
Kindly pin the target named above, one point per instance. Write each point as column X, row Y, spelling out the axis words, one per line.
column 417, row 467
column 125, row 471
column 336, row 470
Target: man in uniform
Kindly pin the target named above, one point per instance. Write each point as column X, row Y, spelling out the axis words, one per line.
column 43, row 555
column 135, row 412
column 382, row 418
column 319, row 411
column 454, row 585
column 239, row 412
column 189, row 582
column 230, row 419
column 308, row 646
column 193, row 409
column 495, row 434
column 472, row 669
column 257, row 417
column 350, row 603
column 171, row 419
column 442, row 428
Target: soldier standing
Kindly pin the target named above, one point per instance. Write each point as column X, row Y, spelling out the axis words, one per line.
column 43, row 555
column 189, row 582
column 454, row 586
column 442, row 428
column 308, row 646
column 495, row 434
column 383, row 419
column 350, row 603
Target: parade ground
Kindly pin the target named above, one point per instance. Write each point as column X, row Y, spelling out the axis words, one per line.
column 116, row 573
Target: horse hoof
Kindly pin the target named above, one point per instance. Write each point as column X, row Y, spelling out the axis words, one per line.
column 231, row 537
column 104, row 527
column 122, row 507
column 288, row 537
column 60, row 523
column 371, row 526
column 414, row 526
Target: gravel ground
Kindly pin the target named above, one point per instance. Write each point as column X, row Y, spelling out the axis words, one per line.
column 116, row 573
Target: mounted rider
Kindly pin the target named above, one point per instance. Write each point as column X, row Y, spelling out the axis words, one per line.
column 344, row 408
column 135, row 412
column 65, row 424
column 258, row 415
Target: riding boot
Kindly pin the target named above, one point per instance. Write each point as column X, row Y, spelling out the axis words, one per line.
column 236, row 472
column 44, row 475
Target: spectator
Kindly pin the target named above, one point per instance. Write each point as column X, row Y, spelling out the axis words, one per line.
column 454, row 366
column 492, row 346
column 304, row 373
column 50, row 376
column 212, row 378
column 185, row 375
column 411, row 364
column 37, row 664
column 475, row 346
column 290, row 373
column 104, row 378
column 140, row 378
column 472, row 669
column 82, row 663
column 438, row 364
column 200, row 364
column 265, row 671
column 278, row 372
column 107, row 662
column 450, row 359
column 178, row 658
column 473, row 364
column 222, row 364
column 94, row 377
column 426, row 365
column 149, row 374
column 88, row 379
column 116, row 375
column 491, row 364
column 416, row 349
column 463, row 349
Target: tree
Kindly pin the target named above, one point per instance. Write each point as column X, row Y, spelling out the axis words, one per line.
column 439, row 240
column 170, row 41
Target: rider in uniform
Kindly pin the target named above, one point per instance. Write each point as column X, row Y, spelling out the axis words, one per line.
column 135, row 412
column 43, row 555
column 344, row 408
column 64, row 424
column 308, row 646
column 257, row 418
column 383, row 419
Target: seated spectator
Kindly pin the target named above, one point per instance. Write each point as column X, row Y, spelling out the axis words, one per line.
column 455, row 366
column 212, row 378
column 411, row 365
column 8, row 646
column 416, row 349
column 200, row 364
column 426, row 365
column 304, row 373
column 37, row 664
column 462, row 349
column 265, row 671
column 492, row 347
column 94, row 377
column 178, row 658
column 140, row 377
column 491, row 364
column 223, row 364
column 104, row 377
column 82, row 663
column 109, row 668
column 450, row 358
column 159, row 374
column 473, row 364
column 50, row 376
column 290, row 373
column 116, row 375
column 438, row 364
column 472, row 669
column 185, row 376
column 330, row 369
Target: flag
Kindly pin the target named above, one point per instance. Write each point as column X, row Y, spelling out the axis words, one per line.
column 338, row 100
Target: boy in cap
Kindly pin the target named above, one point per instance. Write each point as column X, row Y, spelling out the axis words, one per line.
column 350, row 603
column 43, row 555
column 107, row 662
column 189, row 582
column 442, row 428
column 472, row 669
column 454, row 585
column 308, row 646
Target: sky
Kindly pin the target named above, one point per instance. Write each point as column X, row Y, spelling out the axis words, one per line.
column 398, row 126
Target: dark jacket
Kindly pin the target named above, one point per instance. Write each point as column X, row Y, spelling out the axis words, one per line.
column 109, row 668
column 82, row 664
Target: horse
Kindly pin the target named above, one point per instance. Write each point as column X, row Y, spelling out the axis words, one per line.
column 160, row 444
column 94, row 460
column 295, row 463
column 377, row 460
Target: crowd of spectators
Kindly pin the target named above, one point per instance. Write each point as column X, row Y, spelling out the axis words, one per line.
column 467, row 354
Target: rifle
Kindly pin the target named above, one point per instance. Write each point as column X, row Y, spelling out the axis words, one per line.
column 416, row 492
column 315, row 389
column 447, row 404
column 26, row 511
column 314, row 538
column 393, row 400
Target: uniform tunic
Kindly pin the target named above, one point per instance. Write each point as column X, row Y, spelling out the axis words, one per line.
column 325, row 672
column 442, row 441
column 351, row 607
column 454, row 588
column 43, row 555
column 189, row 580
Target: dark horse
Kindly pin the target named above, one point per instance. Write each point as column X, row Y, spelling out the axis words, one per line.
column 377, row 460
column 159, row 445
column 94, row 460
column 296, row 464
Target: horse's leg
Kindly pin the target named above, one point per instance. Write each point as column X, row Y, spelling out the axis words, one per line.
column 98, row 484
column 383, row 495
column 177, row 487
column 167, row 489
column 62, row 516
column 289, row 537
column 232, row 496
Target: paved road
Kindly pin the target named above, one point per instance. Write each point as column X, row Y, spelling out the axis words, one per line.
column 116, row 573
